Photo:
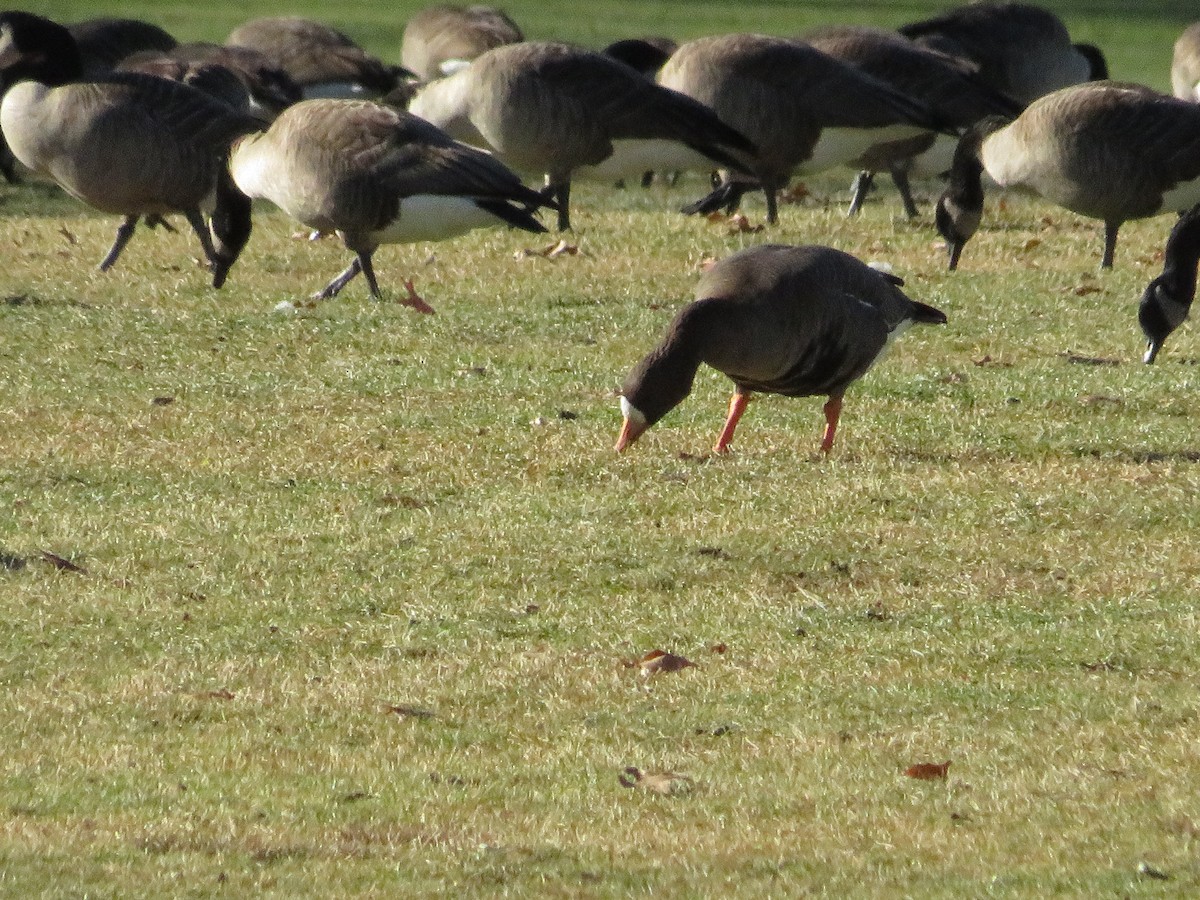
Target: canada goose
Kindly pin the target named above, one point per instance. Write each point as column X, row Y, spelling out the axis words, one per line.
column 647, row 54
column 439, row 40
column 377, row 175
column 1021, row 50
column 1168, row 298
column 103, row 43
column 946, row 85
column 265, row 87
column 1185, row 64
column 322, row 60
column 1103, row 149
column 129, row 144
column 562, row 111
column 797, row 321
column 805, row 110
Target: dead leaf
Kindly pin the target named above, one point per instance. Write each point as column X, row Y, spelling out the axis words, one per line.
column 656, row 662
column 953, row 378
column 797, row 193
column 1084, row 289
column 740, row 224
column 67, row 234
column 404, row 711
column 403, row 501
column 665, row 784
column 988, row 360
column 162, row 401
column 214, row 695
column 928, row 771
column 1090, row 360
column 715, row 552
column 550, row 251
column 717, row 648
column 1100, row 400
column 63, row 565
column 1032, row 244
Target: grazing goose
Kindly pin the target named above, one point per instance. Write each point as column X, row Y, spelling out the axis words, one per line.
column 439, row 40
column 129, row 144
column 561, row 111
column 1185, row 64
column 1168, row 298
column 103, row 43
column 377, row 175
column 946, row 85
column 1021, row 50
column 805, row 110
column 1103, row 149
column 321, row 59
column 797, row 321
column 263, row 87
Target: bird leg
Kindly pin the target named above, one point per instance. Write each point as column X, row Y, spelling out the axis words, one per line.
column 858, row 191
column 201, row 228
column 833, row 410
column 900, row 179
column 561, row 192
column 1110, row 243
column 124, row 233
column 737, row 406
column 334, row 287
column 415, row 300
column 154, row 220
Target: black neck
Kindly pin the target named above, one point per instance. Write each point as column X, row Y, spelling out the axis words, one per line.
column 44, row 50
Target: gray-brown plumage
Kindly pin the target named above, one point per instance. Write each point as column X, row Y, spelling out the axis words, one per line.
column 948, row 86
column 322, row 60
column 1105, row 150
column 104, row 42
column 805, row 110
column 562, row 111
column 1185, row 64
column 261, row 86
column 1021, row 50
column 377, row 175
column 797, row 321
column 440, row 39
column 129, row 144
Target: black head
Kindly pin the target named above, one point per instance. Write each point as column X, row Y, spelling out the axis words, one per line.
column 1159, row 314
column 34, row 47
column 230, row 226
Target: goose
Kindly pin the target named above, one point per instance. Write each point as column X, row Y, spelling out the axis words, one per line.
column 377, row 175
column 805, row 110
column 1021, row 50
column 322, row 60
column 646, row 54
column 1185, row 64
column 441, row 39
column 129, row 144
column 563, row 111
column 1103, row 149
column 1167, row 300
column 949, row 87
column 265, row 88
column 104, row 42
column 780, row 319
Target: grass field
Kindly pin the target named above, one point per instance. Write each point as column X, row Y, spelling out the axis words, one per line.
column 361, row 593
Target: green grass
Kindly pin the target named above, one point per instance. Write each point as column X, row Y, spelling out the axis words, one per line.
column 360, row 600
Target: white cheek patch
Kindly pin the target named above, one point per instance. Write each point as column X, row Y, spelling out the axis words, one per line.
column 632, row 413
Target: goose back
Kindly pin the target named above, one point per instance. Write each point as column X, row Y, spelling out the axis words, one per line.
column 441, row 38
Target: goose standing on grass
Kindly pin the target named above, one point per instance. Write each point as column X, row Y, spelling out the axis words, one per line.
column 1185, row 64
column 948, row 86
column 1021, row 50
column 797, row 321
column 129, row 144
column 805, row 110
column 1106, row 150
column 439, row 40
column 563, row 112
column 1168, row 298
column 377, row 175
column 322, row 60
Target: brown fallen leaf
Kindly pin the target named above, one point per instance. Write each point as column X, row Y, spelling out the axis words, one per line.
column 928, row 771
column 1084, row 289
column 162, row 401
column 63, row 565
column 656, row 662
column 67, row 234
column 1090, row 360
column 214, row 695
column 665, row 784
column 718, row 648
column 740, row 224
column 989, row 360
column 1032, row 244
column 797, row 193
column 550, row 251
column 404, row 711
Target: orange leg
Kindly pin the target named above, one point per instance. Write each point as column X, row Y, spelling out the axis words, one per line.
column 415, row 300
column 737, row 406
column 833, row 410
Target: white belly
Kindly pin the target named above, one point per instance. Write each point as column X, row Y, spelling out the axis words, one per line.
column 428, row 217
column 632, row 157
column 838, row 146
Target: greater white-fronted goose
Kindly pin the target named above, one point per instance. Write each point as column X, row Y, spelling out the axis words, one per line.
column 377, row 175
column 563, row 112
column 1167, row 300
column 320, row 58
column 1106, row 150
column 130, row 144
column 948, row 86
column 441, row 39
column 1185, row 64
column 805, row 110
column 1021, row 50
column 797, row 321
